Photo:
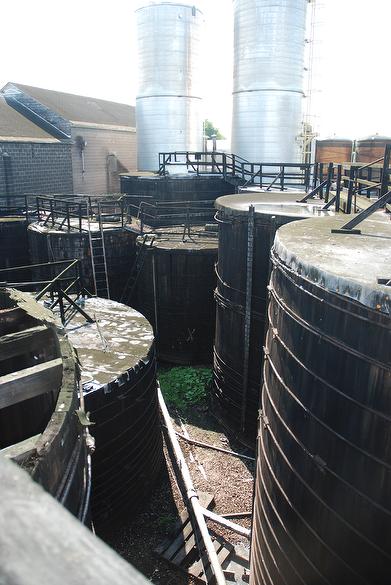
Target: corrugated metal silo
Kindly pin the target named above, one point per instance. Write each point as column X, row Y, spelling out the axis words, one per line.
column 169, row 105
column 269, row 37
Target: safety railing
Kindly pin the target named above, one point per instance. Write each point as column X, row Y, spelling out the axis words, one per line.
column 172, row 213
column 19, row 206
column 77, row 212
column 235, row 168
column 61, row 282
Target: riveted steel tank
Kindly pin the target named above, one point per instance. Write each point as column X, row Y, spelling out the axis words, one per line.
column 269, row 39
column 117, row 356
column 175, row 285
column 48, row 244
column 39, row 429
column 241, row 299
column 169, row 105
column 14, row 246
column 165, row 200
column 322, row 506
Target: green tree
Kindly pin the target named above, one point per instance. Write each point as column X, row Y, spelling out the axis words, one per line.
column 209, row 130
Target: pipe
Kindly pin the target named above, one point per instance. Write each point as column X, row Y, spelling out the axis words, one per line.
column 191, row 492
column 214, row 447
column 227, row 523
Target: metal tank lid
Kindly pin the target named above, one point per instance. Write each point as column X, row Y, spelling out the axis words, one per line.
column 333, row 139
column 148, row 3
column 121, row 340
column 174, row 240
column 348, row 264
column 374, row 138
column 278, row 203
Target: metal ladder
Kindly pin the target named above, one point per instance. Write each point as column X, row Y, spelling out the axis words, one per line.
column 98, row 257
column 129, row 288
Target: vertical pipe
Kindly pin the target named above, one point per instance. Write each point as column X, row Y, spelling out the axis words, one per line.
column 247, row 316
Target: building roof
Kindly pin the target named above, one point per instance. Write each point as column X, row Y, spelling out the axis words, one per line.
column 77, row 108
column 15, row 127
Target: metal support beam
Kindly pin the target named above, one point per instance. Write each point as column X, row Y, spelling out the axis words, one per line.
column 363, row 215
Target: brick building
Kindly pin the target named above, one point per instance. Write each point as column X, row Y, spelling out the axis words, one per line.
column 31, row 159
column 98, row 135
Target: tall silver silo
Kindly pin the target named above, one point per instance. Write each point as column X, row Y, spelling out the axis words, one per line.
column 169, row 105
column 269, row 37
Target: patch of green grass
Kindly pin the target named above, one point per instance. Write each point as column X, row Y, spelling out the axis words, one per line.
column 183, row 386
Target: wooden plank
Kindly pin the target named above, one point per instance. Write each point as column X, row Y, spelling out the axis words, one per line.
column 21, row 342
column 223, row 549
column 170, row 546
column 188, row 547
column 30, row 382
column 179, row 542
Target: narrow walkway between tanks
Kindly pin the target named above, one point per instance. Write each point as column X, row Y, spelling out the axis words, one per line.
column 227, row 477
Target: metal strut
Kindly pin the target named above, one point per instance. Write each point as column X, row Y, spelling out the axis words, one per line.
column 348, row 227
column 247, row 315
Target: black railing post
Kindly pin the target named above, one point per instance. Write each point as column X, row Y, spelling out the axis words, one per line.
column 321, row 179
column 330, row 173
column 339, row 186
column 369, row 177
column 282, row 178
column 80, row 218
column 315, row 177
column 352, row 175
column 385, row 172
column 307, row 176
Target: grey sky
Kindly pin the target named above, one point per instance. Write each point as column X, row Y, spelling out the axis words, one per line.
column 88, row 47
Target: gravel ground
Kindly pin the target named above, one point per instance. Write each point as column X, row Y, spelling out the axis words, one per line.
column 228, row 478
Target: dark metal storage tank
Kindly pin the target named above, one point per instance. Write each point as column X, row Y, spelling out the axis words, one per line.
column 175, row 189
column 117, row 357
column 335, row 150
column 38, row 400
column 13, row 245
column 174, row 291
column 371, row 148
column 48, row 244
column 322, row 498
column 245, row 240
